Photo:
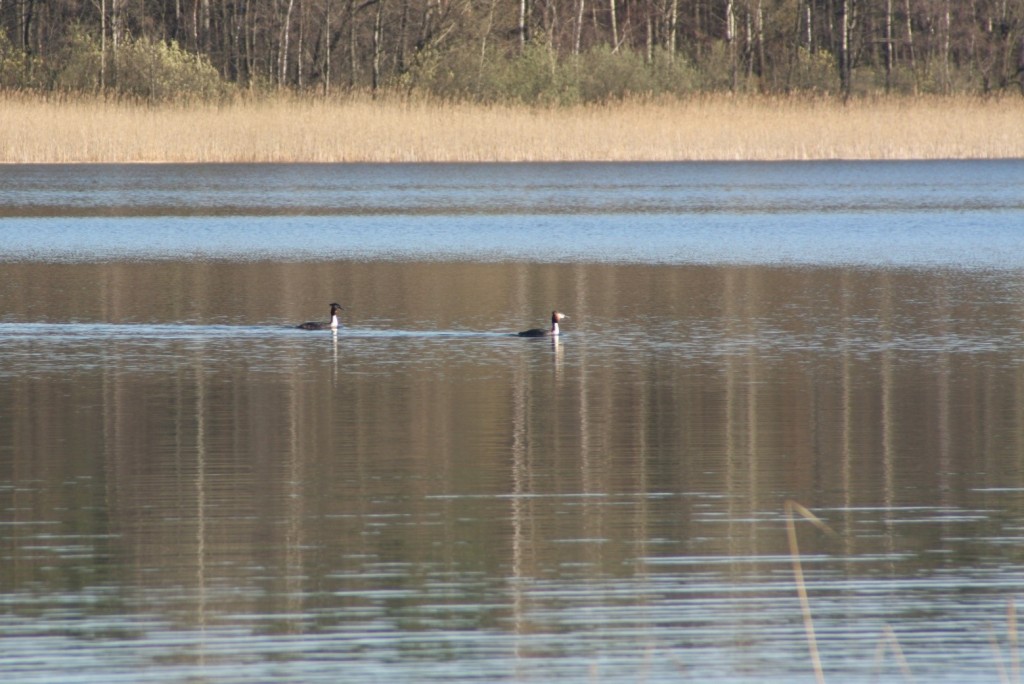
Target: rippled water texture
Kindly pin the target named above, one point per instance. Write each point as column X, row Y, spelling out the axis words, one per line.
column 193, row 490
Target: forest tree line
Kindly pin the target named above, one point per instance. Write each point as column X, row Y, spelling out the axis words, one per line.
column 546, row 51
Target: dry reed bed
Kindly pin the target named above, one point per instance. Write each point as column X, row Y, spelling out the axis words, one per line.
column 712, row 128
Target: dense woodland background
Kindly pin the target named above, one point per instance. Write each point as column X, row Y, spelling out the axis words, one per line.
column 534, row 51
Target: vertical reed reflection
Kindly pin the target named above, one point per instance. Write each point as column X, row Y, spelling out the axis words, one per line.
column 888, row 454
column 846, row 422
column 519, row 504
column 200, row 512
column 295, row 513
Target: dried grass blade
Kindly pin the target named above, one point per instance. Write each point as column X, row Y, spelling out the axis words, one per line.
column 801, row 587
column 894, row 643
column 998, row 655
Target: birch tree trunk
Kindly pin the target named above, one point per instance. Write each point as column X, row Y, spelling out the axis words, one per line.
column 377, row 30
column 730, row 43
column 250, row 44
column 649, row 53
column 206, row 26
column 844, row 48
column 176, row 33
column 910, row 46
column 327, row 47
column 578, row 35
column 353, row 57
column 762, row 71
column 673, row 27
column 615, row 26
column 524, row 23
column 946, row 30
column 403, row 25
column 299, row 46
column 809, row 17
column 115, row 34
column 103, row 47
column 285, row 36
column 888, row 46
column 228, row 61
column 483, row 39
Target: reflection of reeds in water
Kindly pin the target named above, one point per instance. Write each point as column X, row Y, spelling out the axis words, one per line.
column 284, row 129
column 888, row 641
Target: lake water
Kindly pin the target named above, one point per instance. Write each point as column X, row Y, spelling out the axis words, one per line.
column 194, row 491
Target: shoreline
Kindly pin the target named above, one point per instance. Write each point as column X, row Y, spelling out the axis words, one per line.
column 766, row 162
column 721, row 128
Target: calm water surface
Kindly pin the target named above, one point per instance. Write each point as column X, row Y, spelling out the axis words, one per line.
column 194, row 491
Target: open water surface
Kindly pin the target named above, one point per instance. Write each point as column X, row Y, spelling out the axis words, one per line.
column 192, row 490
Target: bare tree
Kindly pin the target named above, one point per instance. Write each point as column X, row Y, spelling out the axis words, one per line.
column 889, row 56
column 910, row 44
column 524, row 23
column 377, row 31
column 845, row 57
column 286, row 33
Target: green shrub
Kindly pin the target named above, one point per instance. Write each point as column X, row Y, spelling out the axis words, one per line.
column 814, row 72
column 674, row 76
column 144, row 69
column 452, row 74
column 718, row 69
column 903, row 80
column 534, row 76
column 77, row 64
column 537, row 76
column 604, row 75
column 159, row 71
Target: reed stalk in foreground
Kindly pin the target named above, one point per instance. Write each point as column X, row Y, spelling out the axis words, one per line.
column 801, row 586
column 287, row 129
column 1012, row 645
column 889, row 640
column 889, row 636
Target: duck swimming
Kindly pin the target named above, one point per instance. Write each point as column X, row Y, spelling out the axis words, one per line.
column 319, row 325
column 544, row 332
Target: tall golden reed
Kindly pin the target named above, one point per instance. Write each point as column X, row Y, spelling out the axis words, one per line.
column 286, row 129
